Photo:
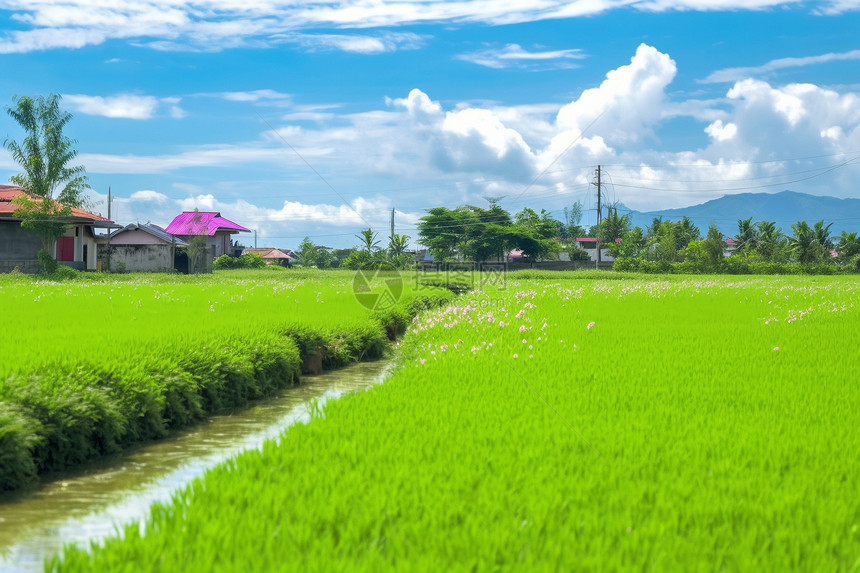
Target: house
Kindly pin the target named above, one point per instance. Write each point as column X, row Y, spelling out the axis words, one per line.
column 139, row 247
column 589, row 244
column 217, row 230
column 19, row 247
column 272, row 256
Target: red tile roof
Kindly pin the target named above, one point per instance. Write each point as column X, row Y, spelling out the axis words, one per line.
column 202, row 223
column 10, row 192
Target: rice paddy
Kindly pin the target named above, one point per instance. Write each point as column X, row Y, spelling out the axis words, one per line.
column 92, row 365
column 557, row 424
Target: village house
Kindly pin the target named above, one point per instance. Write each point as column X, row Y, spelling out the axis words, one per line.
column 272, row 256
column 19, row 247
column 139, row 248
column 217, row 231
column 589, row 245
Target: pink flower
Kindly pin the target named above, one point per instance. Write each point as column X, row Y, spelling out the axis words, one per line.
column 515, row 356
column 775, row 348
column 590, row 325
column 525, row 341
column 423, row 361
column 523, row 328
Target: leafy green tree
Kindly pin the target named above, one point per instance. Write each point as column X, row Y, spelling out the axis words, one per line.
column 312, row 255
column 529, row 242
column 654, row 228
column 471, row 232
column 542, row 225
column 686, row 232
column 572, row 218
column 848, row 245
column 196, row 251
column 804, row 244
column 822, row 235
column 368, row 240
column 663, row 244
column 613, row 226
column 714, row 246
column 397, row 245
column 397, row 255
column 443, row 230
column 771, row 244
column 747, row 237
column 631, row 245
column 45, row 154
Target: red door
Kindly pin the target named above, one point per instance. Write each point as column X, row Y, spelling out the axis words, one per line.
column 66, row 249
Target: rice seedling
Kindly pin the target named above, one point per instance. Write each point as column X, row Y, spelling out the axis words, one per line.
column 557, row 424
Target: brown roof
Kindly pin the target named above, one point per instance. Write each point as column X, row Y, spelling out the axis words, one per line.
column 268, row 253
column 10, row 192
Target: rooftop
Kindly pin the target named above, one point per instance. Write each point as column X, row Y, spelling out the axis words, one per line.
column 202, row 223
column 10, row 192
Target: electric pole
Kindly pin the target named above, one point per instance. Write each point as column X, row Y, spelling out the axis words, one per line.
column 109, row 231
column 391, row 240
column 599, row 217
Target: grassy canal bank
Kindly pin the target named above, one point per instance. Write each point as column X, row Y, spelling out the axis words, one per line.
column 92, row 365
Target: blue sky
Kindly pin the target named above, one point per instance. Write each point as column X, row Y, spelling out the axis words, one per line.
column 317, row 118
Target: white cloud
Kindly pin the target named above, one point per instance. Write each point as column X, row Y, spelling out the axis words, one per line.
column 622, row 111
column 514, row 56
column 214, row 25
column 356, row 43
column 148, row 195
column 721, row 132
column 421, row 152
column 125, row 106
column 253, row 95
column 736, row 74
column 203, row 156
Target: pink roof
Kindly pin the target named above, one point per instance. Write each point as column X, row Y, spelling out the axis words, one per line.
column 202, row 223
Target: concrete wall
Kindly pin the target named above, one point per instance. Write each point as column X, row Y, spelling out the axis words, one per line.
column 29, row 267
column 17, row 244
column 137, row 258
column 135, row 237
column 559, row 265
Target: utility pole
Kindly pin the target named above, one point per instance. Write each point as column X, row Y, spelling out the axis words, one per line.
column 109, row 232
column 599, row 217
column 391, row 240
column 255, row 238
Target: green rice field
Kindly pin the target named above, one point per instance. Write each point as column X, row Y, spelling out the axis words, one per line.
column 556, row 424
column 92, row 365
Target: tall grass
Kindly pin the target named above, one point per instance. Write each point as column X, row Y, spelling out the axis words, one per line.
column 91, row 365
column 558, row 425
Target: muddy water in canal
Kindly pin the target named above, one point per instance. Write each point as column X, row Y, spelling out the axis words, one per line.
column 89, row 503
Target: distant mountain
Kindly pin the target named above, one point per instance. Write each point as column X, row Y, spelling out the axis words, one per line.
column 784, row 208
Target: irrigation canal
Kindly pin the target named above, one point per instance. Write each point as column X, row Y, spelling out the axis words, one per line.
column 89, row 503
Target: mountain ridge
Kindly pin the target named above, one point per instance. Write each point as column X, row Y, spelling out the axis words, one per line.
column 785, row 208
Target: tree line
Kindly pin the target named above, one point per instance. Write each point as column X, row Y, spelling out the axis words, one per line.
column 480, row 234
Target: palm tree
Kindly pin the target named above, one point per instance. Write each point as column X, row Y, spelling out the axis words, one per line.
column 804, row 244
column 848, row 245
column 368, row 240
column 746, row 238
column 822, row 235
column 397, row 245
column 687, row 232
column 770, row 240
